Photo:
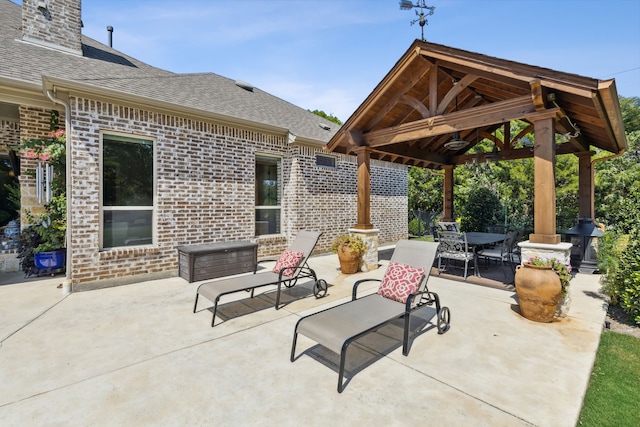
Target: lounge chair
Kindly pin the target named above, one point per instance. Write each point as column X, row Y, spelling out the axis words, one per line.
column 290, row 267
column 337, row 327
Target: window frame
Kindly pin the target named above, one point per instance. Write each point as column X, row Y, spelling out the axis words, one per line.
column 279, row 186
column 152, row 208
column 325, row 156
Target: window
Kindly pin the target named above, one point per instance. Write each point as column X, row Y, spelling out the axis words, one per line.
column 323, row 161
column 268, row 195
column 127, row 191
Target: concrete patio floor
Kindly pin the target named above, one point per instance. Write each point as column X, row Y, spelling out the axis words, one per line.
column 137, row 355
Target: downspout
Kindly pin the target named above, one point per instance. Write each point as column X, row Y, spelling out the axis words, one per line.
column 66, row 285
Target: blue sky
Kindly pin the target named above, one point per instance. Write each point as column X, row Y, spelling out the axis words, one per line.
column 330, row 54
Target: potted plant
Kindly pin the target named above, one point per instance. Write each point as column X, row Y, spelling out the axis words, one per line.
column 349, row 248
column 50, row 226
column 542, row 286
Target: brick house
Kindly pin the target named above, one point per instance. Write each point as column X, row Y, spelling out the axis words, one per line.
column 216, row 159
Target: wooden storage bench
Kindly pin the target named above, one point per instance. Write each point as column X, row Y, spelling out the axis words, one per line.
column 202, row 262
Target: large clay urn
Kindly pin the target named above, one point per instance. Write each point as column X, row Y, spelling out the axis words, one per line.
column 538, row 288
column 349, row 259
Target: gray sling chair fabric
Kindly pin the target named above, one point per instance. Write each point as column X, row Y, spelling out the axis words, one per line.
column 304, row 242
column 336, row 327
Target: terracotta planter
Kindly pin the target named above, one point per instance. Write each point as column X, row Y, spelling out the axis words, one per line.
column 538, row 289
column 349, row 260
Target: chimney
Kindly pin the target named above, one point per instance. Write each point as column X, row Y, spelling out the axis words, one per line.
column 53, row 23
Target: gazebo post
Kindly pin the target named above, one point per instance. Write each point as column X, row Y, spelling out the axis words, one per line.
column 544, row 187
column 586, row 206
column 364, row 189
column 544, row 242
column 364, row 229
column 448, row 193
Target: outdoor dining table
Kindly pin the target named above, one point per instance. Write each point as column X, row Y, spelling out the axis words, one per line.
column 476, row 238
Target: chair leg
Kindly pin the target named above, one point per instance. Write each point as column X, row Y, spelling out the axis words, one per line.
column 343, row 356
column 196, row 303
column 293, row 346
column 278, row 296
column 215, row 309
column 405, row 341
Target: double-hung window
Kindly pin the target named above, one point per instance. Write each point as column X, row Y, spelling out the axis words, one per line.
column 268, row 195
column 128, row 190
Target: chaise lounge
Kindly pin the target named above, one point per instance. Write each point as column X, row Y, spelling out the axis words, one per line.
column 403, row 290
column 290, row 267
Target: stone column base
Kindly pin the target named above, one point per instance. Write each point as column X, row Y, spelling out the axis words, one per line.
column 368, row 260
column 560, row 251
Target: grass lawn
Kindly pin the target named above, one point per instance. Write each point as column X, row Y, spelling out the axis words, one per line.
column 613, row 396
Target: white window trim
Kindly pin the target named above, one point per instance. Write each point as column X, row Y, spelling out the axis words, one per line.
column 280, row 193
column 102, row 208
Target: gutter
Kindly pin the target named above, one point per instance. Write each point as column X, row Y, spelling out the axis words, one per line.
column 66, row 285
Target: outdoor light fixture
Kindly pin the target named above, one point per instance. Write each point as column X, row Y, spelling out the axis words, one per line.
column 408, row 5
column 456, row 143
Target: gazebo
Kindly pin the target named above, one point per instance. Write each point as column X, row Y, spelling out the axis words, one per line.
column 430, row 107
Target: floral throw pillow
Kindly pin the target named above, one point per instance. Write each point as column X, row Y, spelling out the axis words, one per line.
column 288, row 259
column 400, row 281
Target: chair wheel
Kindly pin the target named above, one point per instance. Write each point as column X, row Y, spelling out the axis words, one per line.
column 320, row 288
column 444, row 319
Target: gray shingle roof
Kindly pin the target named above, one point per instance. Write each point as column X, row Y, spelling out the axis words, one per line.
column 103, row 67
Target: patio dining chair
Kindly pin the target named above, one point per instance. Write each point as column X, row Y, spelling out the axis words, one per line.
column 454, row 247
column 496, row 228
column 403, row 289
column 290, row 267
column 502, row 253
column 449, row 226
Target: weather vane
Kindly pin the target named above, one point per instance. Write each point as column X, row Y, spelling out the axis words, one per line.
column 408, row 5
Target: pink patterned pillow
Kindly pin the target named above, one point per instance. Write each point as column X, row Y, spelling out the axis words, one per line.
column 400, row 281
column 288, row 259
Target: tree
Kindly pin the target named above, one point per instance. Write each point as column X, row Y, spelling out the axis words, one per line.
column 617, row 181
column 329, row 117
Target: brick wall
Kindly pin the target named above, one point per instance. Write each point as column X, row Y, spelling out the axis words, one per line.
column 58, row 26
column 205, row 190
column 327, row 198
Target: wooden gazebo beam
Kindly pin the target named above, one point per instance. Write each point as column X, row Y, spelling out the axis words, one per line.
column 484, row 115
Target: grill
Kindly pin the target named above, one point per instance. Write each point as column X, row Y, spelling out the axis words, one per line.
column 584, row 236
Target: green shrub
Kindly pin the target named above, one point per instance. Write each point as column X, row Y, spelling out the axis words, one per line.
column 621, row 284
column 482, row 208
column 418, row 227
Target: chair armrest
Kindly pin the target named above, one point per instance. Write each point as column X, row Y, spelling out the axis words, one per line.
column 355, row 287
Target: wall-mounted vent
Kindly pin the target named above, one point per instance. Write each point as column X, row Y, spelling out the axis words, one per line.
column 244, row 85
column 325, row 161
